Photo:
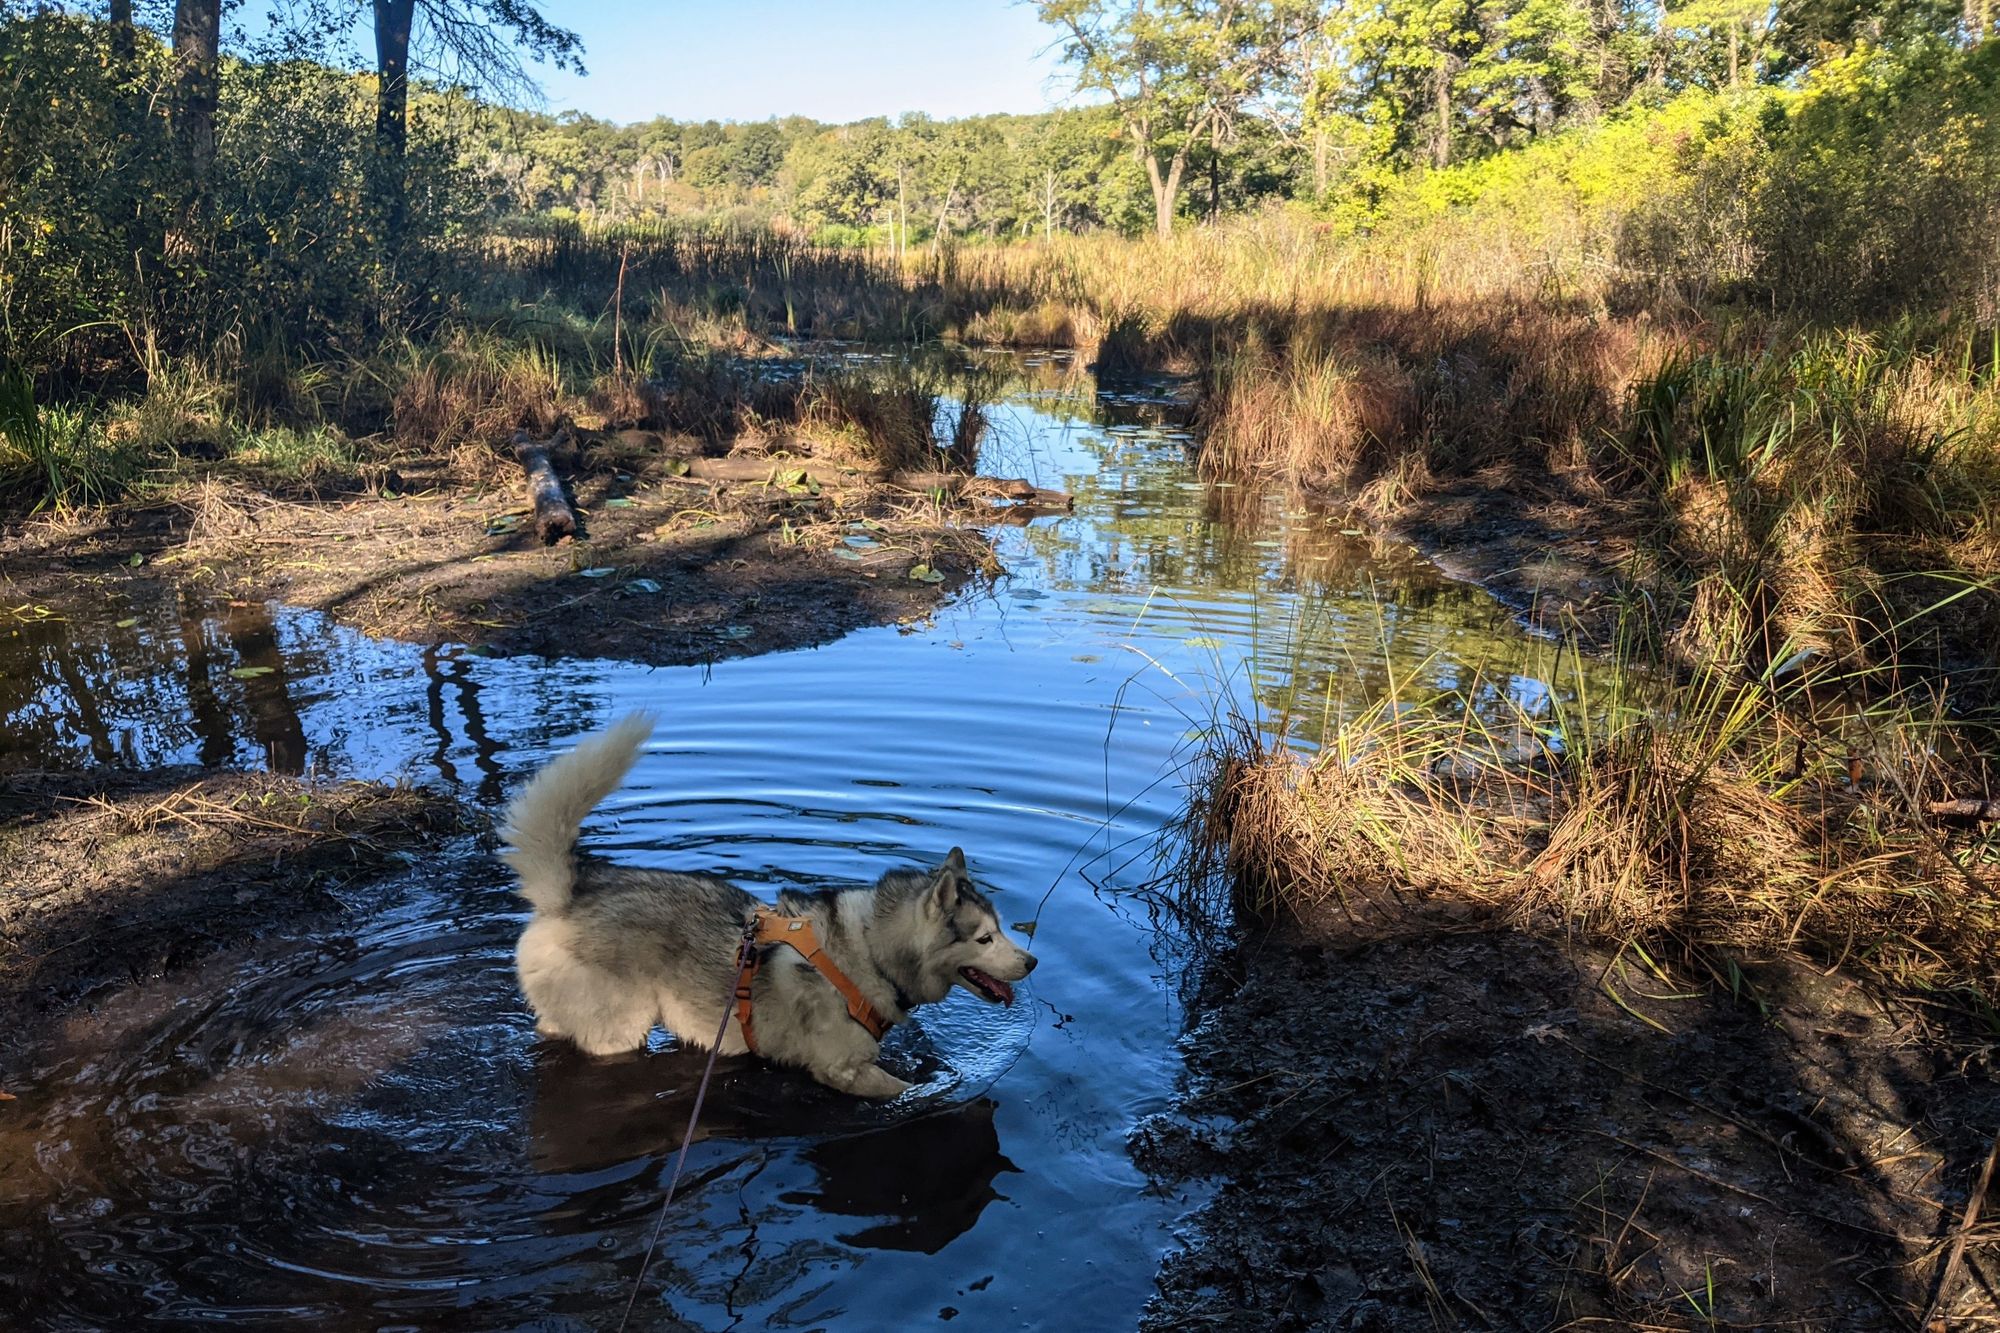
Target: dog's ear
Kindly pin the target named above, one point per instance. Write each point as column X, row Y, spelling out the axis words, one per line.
column 944, row 884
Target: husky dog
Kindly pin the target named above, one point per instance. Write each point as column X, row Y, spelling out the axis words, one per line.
column 614, row 950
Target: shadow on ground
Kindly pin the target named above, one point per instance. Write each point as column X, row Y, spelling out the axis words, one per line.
column 1473, row 1128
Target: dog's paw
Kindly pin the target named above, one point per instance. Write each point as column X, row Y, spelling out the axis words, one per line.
column 870, row 1081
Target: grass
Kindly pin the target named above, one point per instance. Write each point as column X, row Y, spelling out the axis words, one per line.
column 56, row 457
column 1704, row 815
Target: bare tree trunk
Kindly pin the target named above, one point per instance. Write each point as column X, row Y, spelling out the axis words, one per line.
column 1441, row 97
column 393, row 19
column 1166, row 189
column 197, row 63
column 900, row 241
column 943, row 220
column 1048, row 203
column 1733, row 49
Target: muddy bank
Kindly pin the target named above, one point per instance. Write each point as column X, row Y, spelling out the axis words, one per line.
column 1560, row 562
column 670, row 566
column 1454, row 1128
column 116, row 877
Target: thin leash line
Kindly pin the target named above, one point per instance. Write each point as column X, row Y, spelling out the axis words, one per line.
column 743, row 954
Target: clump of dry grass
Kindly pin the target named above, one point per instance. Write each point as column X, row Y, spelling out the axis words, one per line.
column 1704, row 814
column 474, row 387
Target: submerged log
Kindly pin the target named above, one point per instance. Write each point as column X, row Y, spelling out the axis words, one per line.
column 554, row 519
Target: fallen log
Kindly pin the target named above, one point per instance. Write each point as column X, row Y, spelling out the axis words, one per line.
column 554, row 519
column 1967, row 811
column 830, row 477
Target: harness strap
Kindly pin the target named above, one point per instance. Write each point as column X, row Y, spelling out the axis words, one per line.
column 798, row 933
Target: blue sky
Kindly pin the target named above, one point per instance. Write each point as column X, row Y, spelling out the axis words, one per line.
column 834, row 60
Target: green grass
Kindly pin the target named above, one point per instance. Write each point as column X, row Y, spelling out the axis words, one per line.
column 56, row 457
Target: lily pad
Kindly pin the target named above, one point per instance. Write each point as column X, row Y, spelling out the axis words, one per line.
column 137, row 560
column 643, row 585
column 252, row 672
column 598, row 571
column 735, row 631
column 861, row 543
column 1204, row 641
column 619, row 502
column 842, row 553
column 925, row 574
column 676, row 467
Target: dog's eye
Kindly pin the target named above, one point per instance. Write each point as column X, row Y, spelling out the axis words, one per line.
column 987, row 938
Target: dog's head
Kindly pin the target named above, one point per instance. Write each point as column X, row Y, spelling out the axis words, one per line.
column 956, row 940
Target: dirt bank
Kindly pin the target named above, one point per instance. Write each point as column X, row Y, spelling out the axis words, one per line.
column 1560, row 562
column 1447, row 1127
column 678, row 560
column 117, row 876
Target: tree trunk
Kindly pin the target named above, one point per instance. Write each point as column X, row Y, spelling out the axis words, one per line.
column 1733, row 47
column 1166, row 189
column 393, row 19
column 1441, row 95
column 124, row 38
column 1048, row 204
column 900, row 240
column 943, row 220
column 197, row 57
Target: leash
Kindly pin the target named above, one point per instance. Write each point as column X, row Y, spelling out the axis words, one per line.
column 745, row 951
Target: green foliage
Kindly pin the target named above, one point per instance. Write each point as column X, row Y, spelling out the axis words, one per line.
column 100, row 255
column 55, row 457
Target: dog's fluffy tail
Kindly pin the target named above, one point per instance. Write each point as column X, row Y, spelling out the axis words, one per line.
column 542, row 822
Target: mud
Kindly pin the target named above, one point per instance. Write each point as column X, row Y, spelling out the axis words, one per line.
column 1465, row 1128
column 1559, row 561
column 115, row 876
column 667, row 570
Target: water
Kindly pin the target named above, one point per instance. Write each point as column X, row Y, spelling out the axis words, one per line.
column 360, row 1128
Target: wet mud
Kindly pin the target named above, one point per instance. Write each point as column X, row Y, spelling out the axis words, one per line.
column 665, row 570
column 116, row 878
column 1464, row 1128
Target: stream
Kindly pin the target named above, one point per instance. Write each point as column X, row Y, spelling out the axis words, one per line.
column 359, row 1128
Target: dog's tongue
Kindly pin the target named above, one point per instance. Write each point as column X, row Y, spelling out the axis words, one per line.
column 994, row 984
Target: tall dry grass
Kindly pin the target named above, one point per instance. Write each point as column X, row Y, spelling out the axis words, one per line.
column 1703, row 816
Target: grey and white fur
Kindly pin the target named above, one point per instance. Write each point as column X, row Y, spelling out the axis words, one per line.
column 614, row 950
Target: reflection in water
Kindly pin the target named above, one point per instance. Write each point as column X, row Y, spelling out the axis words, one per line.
column 361, row 1129
column 274, row 718
column 923, row 1182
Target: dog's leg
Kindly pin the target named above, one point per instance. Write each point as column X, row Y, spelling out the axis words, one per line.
column 863, row 1080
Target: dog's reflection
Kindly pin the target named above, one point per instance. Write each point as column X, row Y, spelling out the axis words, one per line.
column 922, row 1180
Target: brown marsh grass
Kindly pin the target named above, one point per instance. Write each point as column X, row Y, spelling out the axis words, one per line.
column 1702, row 816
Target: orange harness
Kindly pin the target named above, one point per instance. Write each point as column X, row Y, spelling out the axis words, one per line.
column 797, row 932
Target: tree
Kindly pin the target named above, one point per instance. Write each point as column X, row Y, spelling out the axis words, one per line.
column 475, row 43
column 197, row 67
column 1178, row 71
